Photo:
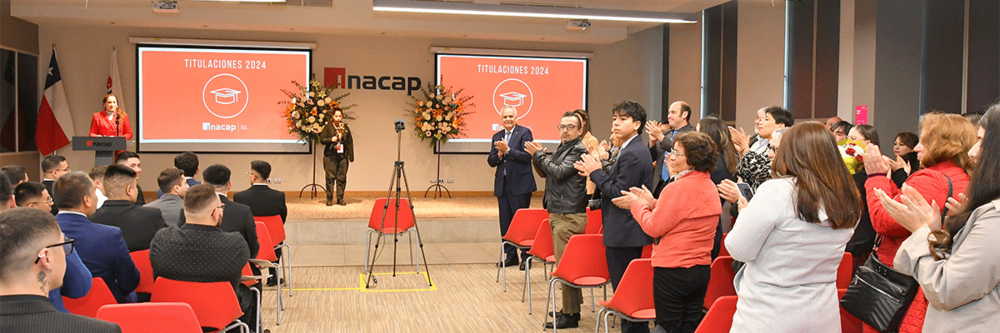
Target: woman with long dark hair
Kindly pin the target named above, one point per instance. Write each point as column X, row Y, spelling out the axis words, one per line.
column 906, row 162
column 792, row 236
column 957, row 264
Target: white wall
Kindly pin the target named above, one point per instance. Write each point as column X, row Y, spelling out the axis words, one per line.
column 760, row 59
column 629, row 69
column 685, row 66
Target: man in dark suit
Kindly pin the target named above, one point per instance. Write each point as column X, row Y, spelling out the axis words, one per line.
column 137, row 223
column 171, row 203
column 513, row 181
column 16, row 174
column 131, row 160
column 236, row 216
column 101, row 247
column 53, row 166
column 662, row 142
column 200, row 251
column 263, row 200
column 623, row 237
column 32, row 263
column 188, row 163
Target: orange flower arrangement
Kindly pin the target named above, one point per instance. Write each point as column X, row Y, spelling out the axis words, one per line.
column 310, row 108
column 440, row 115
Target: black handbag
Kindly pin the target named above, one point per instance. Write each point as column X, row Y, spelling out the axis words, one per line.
column 879, row 295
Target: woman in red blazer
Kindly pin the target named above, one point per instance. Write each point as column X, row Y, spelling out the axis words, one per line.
column 112, row 121
column 945, row 140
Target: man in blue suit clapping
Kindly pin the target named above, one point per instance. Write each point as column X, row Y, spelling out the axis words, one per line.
column 513, row 181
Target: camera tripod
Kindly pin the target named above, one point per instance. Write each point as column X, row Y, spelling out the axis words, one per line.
column 398, row 174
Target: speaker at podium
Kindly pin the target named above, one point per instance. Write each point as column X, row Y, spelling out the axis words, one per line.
column 103, row 147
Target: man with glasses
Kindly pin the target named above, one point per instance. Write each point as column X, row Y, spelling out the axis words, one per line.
column 565, row 201
column 34, row 195
column 101, row 247
column 53, row 166
column 200, row 251
column 33, row 255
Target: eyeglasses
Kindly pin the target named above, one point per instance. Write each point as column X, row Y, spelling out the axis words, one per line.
column 222, row 206
column 67, row 247
column 567, row 127
column 773, row 149
column 49, row 201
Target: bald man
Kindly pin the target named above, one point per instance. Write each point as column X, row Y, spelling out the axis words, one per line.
column 513, row 180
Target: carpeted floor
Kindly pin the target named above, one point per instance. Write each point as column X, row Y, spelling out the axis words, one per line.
column 361, row 207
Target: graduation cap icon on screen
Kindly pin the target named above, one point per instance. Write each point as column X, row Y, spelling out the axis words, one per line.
column 226, row 95
column 513, row 98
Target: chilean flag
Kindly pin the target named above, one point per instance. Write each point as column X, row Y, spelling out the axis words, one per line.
column 55, row 123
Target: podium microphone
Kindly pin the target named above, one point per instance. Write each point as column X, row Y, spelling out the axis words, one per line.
column 118, row 118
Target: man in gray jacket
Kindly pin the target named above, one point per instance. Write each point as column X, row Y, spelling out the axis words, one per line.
column 171, row 204
column 565, row 201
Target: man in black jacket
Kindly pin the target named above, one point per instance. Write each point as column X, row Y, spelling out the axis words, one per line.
column 53, row 166
column 32, row 263
column 263, row 200
column 138, row 224
column 565, row 201
column 237, row 216
column 131, row 160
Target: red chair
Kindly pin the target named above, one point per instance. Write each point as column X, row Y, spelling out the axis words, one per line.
column 845, row 272
column 633, row 300
column 543, row 250
column 848, row 322
column 214, row 303
column 386, row 209
column 141, row 260
column 647, row 252
column 276, row 229
column 721, row 282
column 521, row 234
column 719, row 318
column 723, row 251
column 266, row 253
column 151, row 317
column 98, row 296
column 595, row 222
column 583, row 265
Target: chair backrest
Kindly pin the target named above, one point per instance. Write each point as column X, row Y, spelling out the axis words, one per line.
column 543, row 247
column 584, row 257
column 721, row 282
column 406, row 218
column 595, row 222
column 848, row 322
column 266, row 251
column 525, row 223
column 141, row 260
column 719, row 318
column 634, row 296
column 214, row 303
column 647, row 251
column 274, row 226
column 723, row 251
column 845, row 272
column 98, row 296
column 151, row 317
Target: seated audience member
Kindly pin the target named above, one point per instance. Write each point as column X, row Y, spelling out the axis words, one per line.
column 131, row 160
column 237, row 216
column 792, row 236
column 33, row 254
column 16, row 174
column 137, row 223
column 263, row 200
column 101, row 247
column 200, row 251
column 53, row 166
column 77, row 281
column 683, row 220
column 6, row 193
column 171, row 203
column 34, row 195
column 97, row 174
column 188, row 163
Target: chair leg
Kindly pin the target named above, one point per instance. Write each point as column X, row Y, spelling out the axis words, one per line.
column 288, row 268
column 280, row 304
column 259, row 320
column 592, row 307
column 548, row 297
column 413, row 257
column 597, row 327
column 500, row 262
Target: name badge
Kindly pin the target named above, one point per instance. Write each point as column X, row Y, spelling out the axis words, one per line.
column 340, row 148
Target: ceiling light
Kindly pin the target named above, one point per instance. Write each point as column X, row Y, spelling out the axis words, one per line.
column 240, row 0
column 437, row 7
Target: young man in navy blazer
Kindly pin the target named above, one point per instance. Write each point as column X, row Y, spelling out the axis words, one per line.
column 623, row 237
column 513, row 181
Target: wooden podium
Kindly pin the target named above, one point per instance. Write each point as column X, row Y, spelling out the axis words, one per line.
column 103, row 147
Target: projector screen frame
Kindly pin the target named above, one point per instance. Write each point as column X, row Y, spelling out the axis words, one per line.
column 141, row 43
column 507, row 53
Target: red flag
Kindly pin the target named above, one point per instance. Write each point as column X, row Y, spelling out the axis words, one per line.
column 55, row 123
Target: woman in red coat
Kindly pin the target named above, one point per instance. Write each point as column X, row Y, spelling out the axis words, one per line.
column 112, row 121
column 945, row 140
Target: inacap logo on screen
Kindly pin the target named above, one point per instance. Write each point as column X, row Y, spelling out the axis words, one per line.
column 211, row 127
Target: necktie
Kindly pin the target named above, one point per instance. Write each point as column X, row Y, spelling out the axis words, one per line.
column 506, row 138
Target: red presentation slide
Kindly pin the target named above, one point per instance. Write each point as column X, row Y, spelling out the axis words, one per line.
column 209, row 95
column 541, row 89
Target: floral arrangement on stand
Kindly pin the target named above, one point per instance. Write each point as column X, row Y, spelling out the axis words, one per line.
column 440, row 115
column 852, row 153
column 310, row 108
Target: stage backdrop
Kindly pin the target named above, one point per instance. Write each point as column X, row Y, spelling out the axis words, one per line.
column 205, row 99
column 540, row 88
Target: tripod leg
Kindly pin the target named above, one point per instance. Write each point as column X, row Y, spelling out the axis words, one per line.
column 416, row 226
column 371, row 264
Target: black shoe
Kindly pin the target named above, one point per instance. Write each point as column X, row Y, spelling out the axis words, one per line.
column 566, row 321
column 271, row 282
column 329, row 202
column 510, row 262
column 559, row 313
column 341, row 202
column 523, row 265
